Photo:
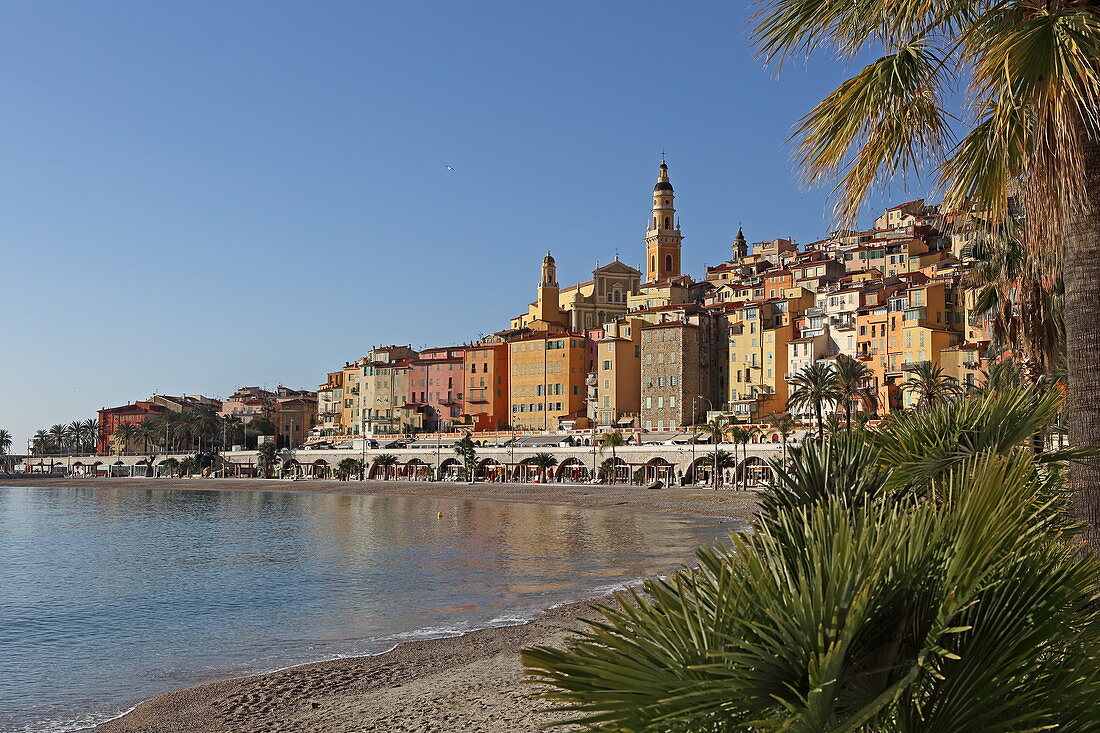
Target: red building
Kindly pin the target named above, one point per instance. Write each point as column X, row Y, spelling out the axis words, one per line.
column 112, row 418
column 437, row 386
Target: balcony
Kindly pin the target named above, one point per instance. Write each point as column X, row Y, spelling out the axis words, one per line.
column 912, row 364
column 915, row 314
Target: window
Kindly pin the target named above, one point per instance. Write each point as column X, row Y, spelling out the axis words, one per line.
column 607, row 362
column 672, row 401
column 649, row 403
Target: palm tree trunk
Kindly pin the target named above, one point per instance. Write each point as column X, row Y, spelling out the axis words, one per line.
column 1081, row 273
column 820, row 425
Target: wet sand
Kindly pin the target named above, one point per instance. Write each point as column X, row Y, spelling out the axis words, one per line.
column 471, row 683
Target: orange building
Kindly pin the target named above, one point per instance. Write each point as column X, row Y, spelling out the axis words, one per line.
column 546, row 377
column 486, row 368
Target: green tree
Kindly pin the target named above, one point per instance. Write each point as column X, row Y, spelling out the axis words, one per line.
column 74, row 435
column 467, row 453
column 58, row 436
column 40, row 443
column 188, row 466
column 715, row 431
column 91, row 429
column 267, row 457
column 812, row 389
column 852, row 376
column 741, row 435
column 930, row 384
column 1011, row 289
column 784, row 425
column 613, row 439
column 544, row 462
column 387, row 461
column 170, row 466
column 348, row 467
column 1031, row 135
column 125, row 437
column 147, row 433
column 945, row 544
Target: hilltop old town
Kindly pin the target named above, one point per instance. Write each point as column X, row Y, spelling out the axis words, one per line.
column 655, row 353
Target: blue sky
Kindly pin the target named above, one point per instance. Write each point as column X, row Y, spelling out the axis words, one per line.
column 203, row 195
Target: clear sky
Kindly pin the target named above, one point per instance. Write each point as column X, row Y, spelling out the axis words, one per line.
column 201, row 195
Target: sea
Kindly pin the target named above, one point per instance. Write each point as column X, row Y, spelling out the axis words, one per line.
column 110, row 596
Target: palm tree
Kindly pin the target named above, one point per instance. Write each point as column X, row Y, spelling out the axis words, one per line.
column 170, row 466
column 544, row 462
column 813, row 388
column 147, row 432
column 612, row 439
column 267, row 456
column 939, row 542
column 58, row 436
column 930, row 384
column 40, row 443
column 386, row 461
column 785, row 424
column 125, row 435
column 1033, row 138
column 715, row 431
column 349, row 466
column 5, row 442
column 741, row 435
column 852, row 376
column 90, row 428
column 467, row 453
column 1026, row 314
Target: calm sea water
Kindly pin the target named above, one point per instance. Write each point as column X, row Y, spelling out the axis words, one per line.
column 110, row 596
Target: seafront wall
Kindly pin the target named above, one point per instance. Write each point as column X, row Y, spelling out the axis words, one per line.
column 578, row 463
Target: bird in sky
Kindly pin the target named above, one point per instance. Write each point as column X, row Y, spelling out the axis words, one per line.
column 452, row 170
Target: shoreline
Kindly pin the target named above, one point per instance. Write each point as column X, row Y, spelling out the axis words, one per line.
column 472, row 682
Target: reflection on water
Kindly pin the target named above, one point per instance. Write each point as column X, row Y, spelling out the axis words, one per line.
column 108, row 596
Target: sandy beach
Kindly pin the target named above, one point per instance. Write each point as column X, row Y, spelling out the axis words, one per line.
column 470, row 683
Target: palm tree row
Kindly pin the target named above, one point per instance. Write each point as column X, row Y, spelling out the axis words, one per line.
column 201, row 429
column 75, row 438
column 822, row 387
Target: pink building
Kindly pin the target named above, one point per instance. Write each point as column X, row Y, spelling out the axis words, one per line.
column 437, row 387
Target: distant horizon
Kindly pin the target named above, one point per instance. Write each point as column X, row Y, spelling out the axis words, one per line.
column 211, row 196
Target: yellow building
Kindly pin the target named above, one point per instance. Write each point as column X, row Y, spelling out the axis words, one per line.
column 349, row 408
column 963, row 363
column 616, row 391
column 384, row 392
column 758, row 351
column 547, row 380
column 330, row 402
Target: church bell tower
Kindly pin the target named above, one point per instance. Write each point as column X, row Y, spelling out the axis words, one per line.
column 547, row 303
column 663, row 237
